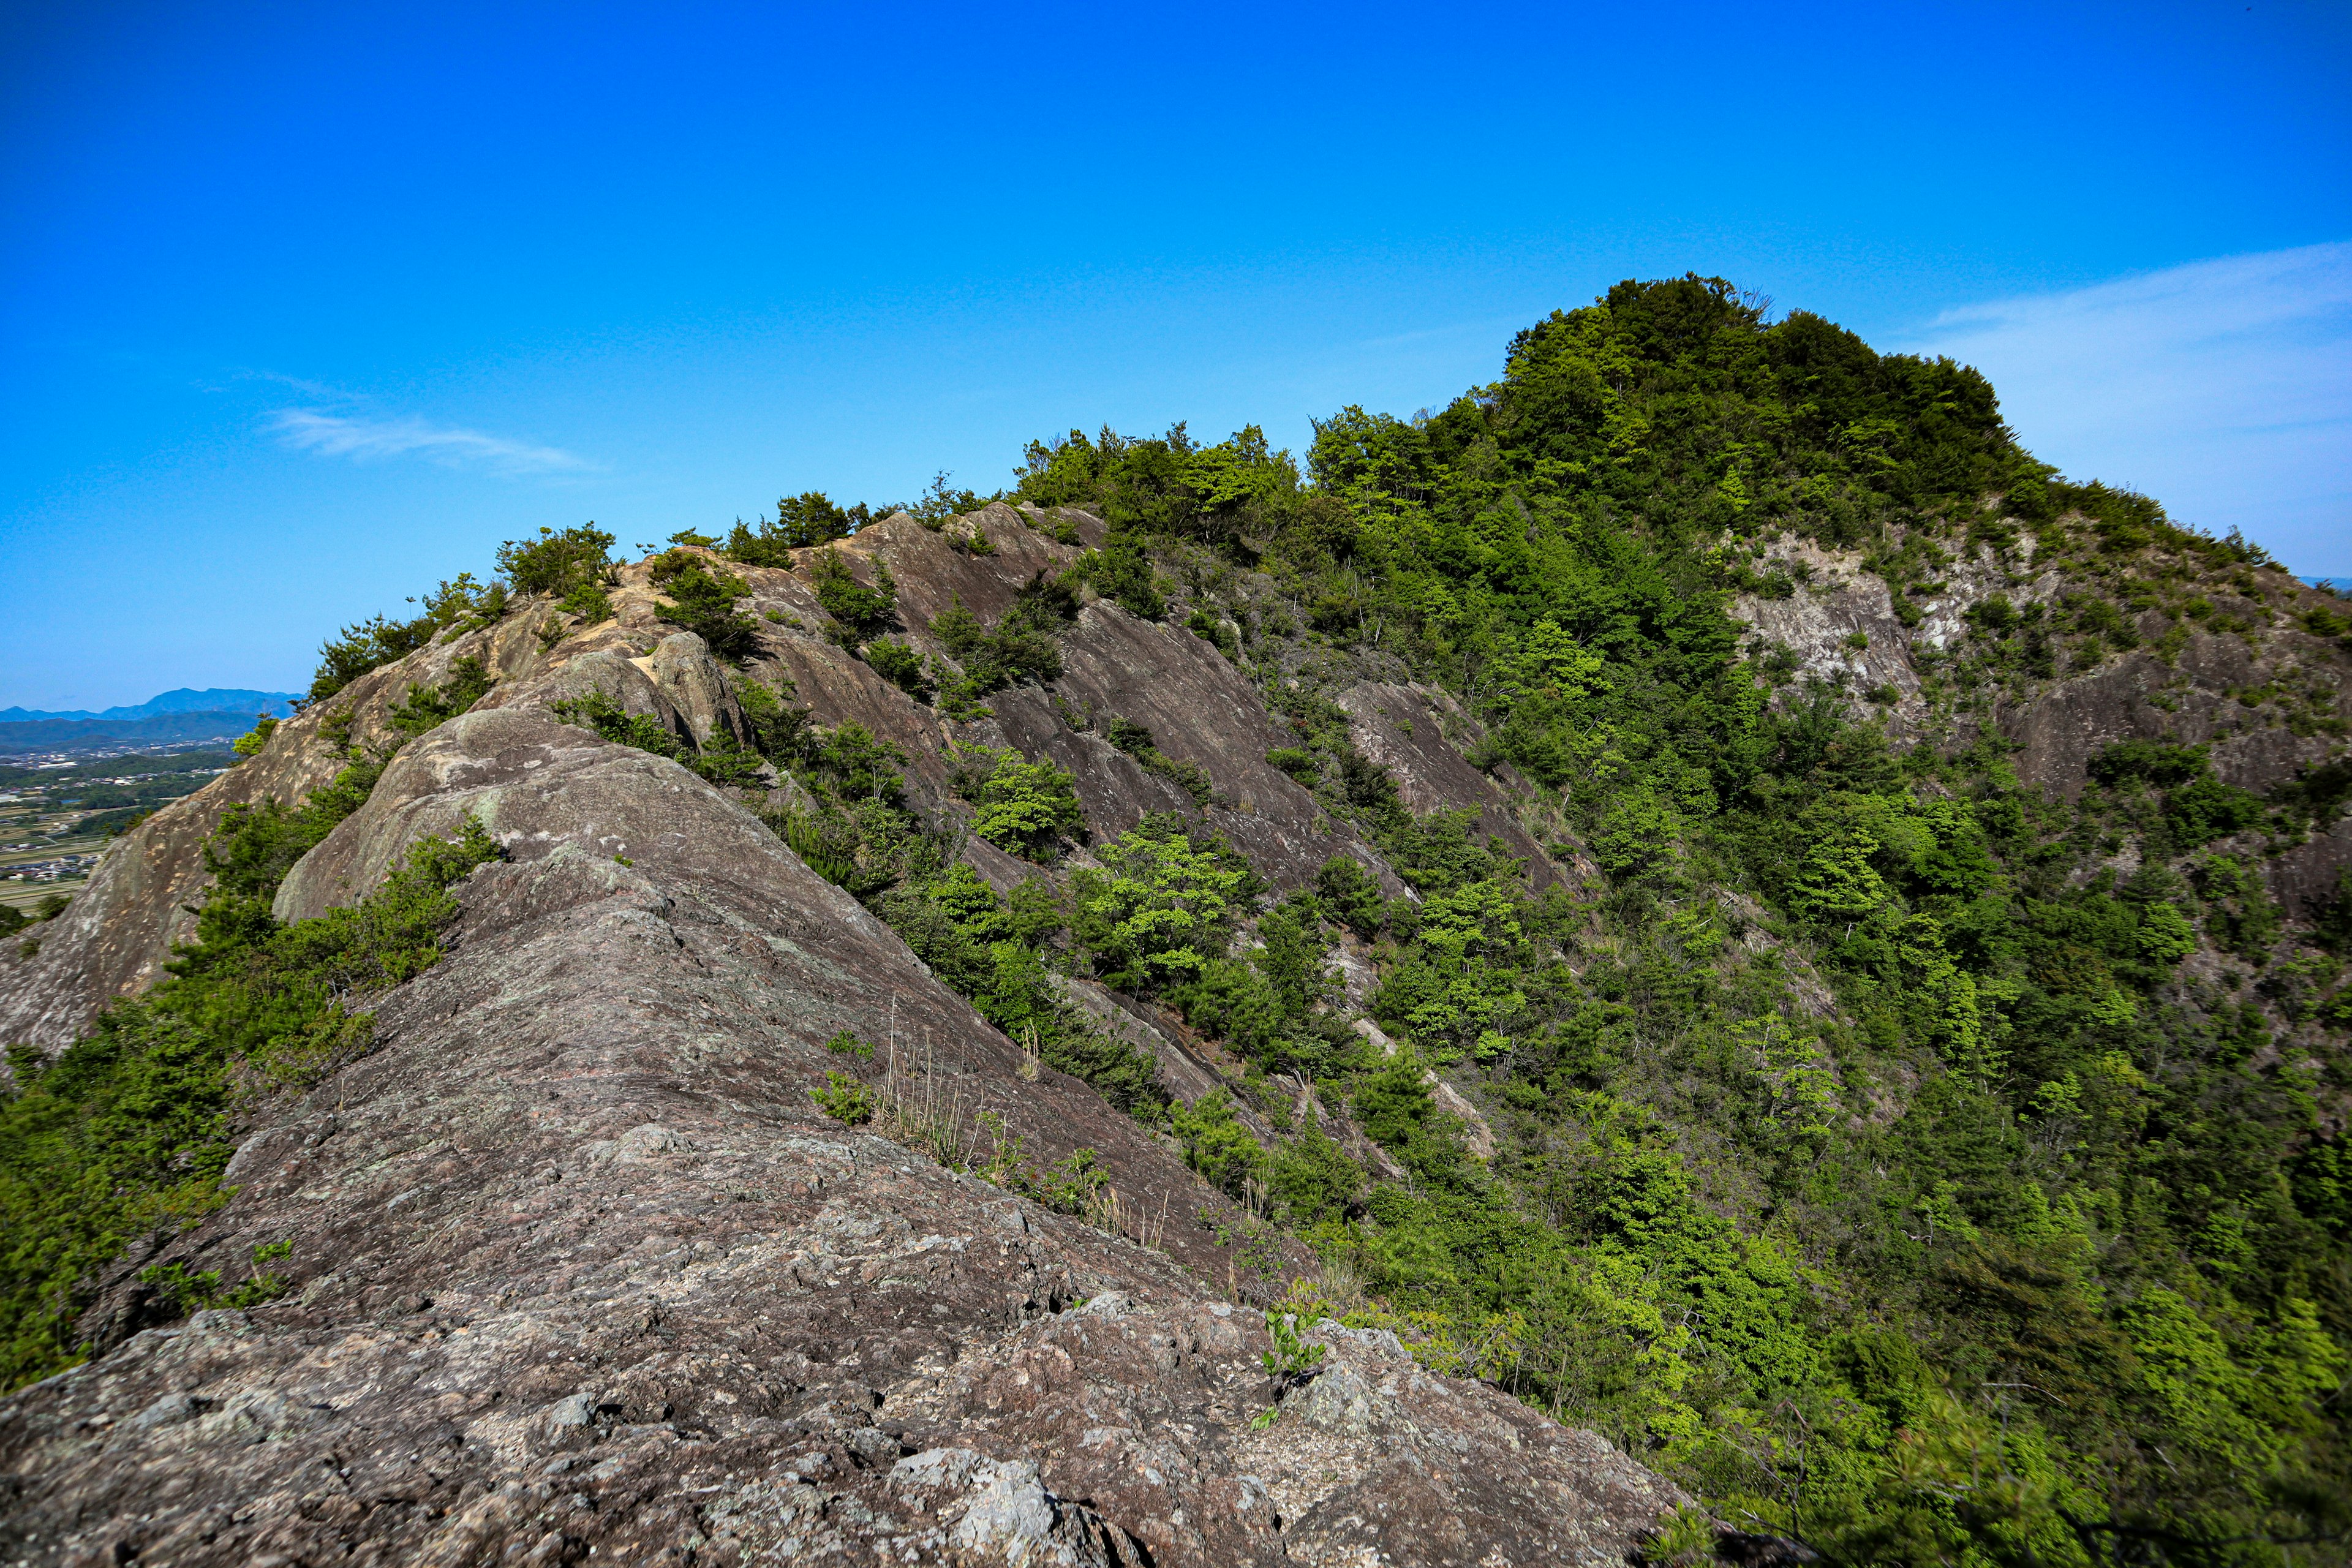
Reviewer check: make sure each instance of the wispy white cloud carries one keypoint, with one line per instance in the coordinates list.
(362, 437)
(2224, 388)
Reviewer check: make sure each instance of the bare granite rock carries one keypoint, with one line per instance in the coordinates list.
(584, 1275)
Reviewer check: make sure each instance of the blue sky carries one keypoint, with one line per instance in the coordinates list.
(304, 308)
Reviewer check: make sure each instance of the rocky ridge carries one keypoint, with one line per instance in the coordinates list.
(581, 1270)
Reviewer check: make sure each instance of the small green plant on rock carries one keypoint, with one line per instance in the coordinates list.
(1291, 1359)
(847, 1044)
(250, 745)
(845, 1100)
(180, 1292)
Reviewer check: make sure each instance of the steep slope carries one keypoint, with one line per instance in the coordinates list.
(1700, 887)
(582, 1267)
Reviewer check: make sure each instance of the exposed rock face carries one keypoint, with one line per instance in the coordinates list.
(2190, 698)
(583, 1269)
(117, 934)
(1404, 729)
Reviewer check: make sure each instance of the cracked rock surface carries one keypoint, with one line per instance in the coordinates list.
(585, 1277)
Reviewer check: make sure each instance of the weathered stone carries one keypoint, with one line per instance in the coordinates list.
(581, 1268)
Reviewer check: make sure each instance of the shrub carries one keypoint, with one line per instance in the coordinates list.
(429, 707)
(857, 766)
(1297, 762)
(703, 602)
(861, 611)
(370, 644)
(594, 710)
(987, 948)
(2205, 809)
(1161, 907)
(1291, 1359)
(1121, 571)
(589, 602)
(723, 759)
(777, 730)
(128, 1130)
(845, 1100)
(902, 667)
(1023, 808)
(1216, 1144)
(847, 1044)
(801, 521)
(1136, 740)
(253, 743)
(2157, 762)
(1352, 894)
(556, 563)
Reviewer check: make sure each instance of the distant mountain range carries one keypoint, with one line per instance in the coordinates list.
(184, 701)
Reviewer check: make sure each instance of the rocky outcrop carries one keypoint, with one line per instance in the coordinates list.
(118, 932)
(585, 1274)
(1410, 730)
(1838, 622)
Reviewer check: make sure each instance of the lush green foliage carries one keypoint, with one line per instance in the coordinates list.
(801, 521)
(425, 706)
(903, 668)
(1940, 1220)
(995, 949)
(1161, 908)
(703, 601)
(556, 564)
(1020, 648)
(722, 759)
(1023, 807)
(126, 1133)
(861, 611)
(460, 605)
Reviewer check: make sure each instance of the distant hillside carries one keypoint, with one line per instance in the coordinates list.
(184, 701)
(69, 735)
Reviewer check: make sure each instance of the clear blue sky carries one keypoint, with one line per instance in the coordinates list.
(302, 308)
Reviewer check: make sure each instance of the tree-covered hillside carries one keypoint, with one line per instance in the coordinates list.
(2024, 1241)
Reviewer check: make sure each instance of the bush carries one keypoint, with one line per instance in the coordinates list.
(857, 766)
(2205, 809)
(1136, 740)
(1121, 571)
(845, 1100)
(370, 644)
(703, 602)
(1020, 648)
(253, 743)
(589, 602)
(594, 710)
(1023, 808)
(127, 1132)
(556, 563)
(2156, 761)
(861, 611)
(902, 667)
(1300, 764)
(800, 522)
(429, 707)
(1216, 1144)
(988, 948)
(1352, 894)
(1161, 908)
